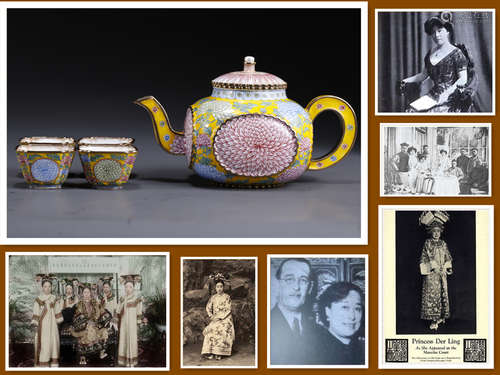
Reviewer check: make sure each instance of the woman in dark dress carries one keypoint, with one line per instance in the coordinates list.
(341, 310)
(446, 65)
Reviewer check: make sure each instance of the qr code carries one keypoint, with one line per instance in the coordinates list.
(474, 350)
(396, 350)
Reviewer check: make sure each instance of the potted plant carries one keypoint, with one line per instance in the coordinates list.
(157, 310)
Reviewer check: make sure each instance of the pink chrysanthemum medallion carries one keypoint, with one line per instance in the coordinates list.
(255, 145)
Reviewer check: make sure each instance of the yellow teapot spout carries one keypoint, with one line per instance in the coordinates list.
(169, 139)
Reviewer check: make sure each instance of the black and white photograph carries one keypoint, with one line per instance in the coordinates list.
(435, 62)
(87, 311)
(219, 312)
(437, 280)
(317, 311)
(445, 276)
(435, 159)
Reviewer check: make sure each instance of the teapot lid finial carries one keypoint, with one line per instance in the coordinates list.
(249, 79)
(249, 65)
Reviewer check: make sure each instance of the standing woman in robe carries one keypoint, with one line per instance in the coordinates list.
(46, 315)
(219, 333)
(435, 266)
(129, 317)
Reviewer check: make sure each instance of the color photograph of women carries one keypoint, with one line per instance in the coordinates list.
(87, 310)
(317, 311)
(435, 159)
(433, 62)
(219, 312)
(435, 272)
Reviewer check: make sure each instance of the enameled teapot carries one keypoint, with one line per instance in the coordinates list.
(248, 133)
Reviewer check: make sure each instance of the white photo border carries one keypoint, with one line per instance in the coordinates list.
(181, 342)
(166, 254)
(493, 65)
(362, 240)
(384, 125)
(268, 312)
(382, 364)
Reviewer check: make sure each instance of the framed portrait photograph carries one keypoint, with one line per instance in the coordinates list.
(317, 311)
(435, 62)
(435, 160)
(436, 287)
(87, 311)
(219, 312)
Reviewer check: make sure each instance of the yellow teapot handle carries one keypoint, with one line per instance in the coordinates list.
(349, 126)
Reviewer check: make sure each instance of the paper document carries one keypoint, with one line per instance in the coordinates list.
(423, 103)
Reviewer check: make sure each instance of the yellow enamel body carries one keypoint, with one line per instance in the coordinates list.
(206, 116)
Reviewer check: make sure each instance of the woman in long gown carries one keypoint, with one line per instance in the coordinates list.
(129, 317)
(68, 307)
(219, 333)
(435, 266)
(46, 315)
(109, 304)
(445, 64)
(91, 338)
(412, 168)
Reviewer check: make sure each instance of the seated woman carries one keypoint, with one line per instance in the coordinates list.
(91, 338)
(219, 333)
(445, 64)
(423, 173)
(341, 310)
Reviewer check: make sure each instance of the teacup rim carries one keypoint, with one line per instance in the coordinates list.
(105, 140)
(113, 148)
(45, 140)
(46, 147)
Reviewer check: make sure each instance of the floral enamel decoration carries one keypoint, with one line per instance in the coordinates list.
(45, 161)
(107, 165)
(255, 146)
(248, 133)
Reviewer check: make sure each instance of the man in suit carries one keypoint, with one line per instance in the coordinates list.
(463, 160)
(294, 334)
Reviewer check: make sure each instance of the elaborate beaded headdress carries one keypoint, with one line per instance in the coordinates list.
(434, 219)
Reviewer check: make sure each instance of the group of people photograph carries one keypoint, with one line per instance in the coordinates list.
(84, 320)
(443, 160)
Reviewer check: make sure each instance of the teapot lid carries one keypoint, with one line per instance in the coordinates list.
(249, 79)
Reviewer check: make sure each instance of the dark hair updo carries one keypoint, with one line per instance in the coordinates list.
(334, 293)
(220, 281)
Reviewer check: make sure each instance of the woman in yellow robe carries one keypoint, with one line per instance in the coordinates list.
(46, 315)
(129, 317)
(91, 338)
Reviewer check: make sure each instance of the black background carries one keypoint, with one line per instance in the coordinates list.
(460, 236)
(76, 72)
